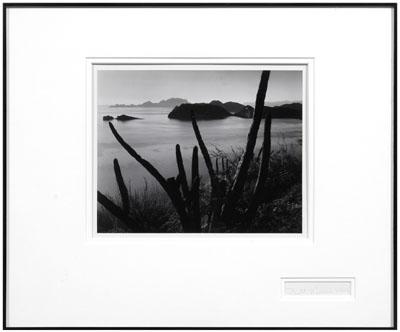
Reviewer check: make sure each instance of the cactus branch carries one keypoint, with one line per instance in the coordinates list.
(179, 204)
(115, 210)
(203, 149)
(122, 188)
(244, 164)
(263, 170)
(195, 190)
(181, 169)
(149, 167)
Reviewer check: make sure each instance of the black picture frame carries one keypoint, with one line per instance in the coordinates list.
(392, 6)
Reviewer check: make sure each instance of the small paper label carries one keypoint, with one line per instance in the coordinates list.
(312, 287)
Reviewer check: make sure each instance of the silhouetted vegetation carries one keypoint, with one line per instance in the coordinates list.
(279, 212)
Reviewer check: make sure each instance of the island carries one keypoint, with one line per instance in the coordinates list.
(202, 111)
(286, 111)
(218, 110)
(124, 117)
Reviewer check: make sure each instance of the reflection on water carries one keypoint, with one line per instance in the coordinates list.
(155, 136)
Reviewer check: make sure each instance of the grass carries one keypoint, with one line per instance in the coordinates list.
(279, 212)
(151, 208)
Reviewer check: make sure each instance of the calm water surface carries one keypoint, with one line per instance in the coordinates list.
(155, 136)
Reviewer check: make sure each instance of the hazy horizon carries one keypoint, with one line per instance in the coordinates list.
(251, 103)
(139, 86)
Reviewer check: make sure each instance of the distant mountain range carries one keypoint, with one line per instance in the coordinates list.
(274, 103)
(232, 106)
(218, 110)
(171, 102)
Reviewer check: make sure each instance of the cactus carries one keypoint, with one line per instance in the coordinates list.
(177, 188)
(223, 199)
(236, 190)
(263, 170)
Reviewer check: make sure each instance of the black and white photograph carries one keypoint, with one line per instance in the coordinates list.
(199, 151)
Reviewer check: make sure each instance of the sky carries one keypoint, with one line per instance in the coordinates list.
(138, 86)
